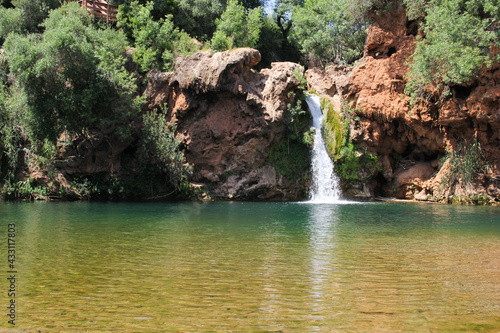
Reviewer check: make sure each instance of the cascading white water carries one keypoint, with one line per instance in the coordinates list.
(325, 186)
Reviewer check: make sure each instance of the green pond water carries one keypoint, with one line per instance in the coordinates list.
(252, 267)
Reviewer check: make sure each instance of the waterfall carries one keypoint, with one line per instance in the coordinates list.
(325, 185)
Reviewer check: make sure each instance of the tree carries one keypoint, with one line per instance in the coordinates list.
(250, 4)
(70, 75)
(197, 17)
(25, 16)
(325, 29)
(456, 46)
(415, 9)
(242, 27)
(156, 42)
(160, 7)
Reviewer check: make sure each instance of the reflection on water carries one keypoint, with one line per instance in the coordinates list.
(193, 267)
(322, 241)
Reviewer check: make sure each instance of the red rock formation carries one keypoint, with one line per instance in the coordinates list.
(228, 116)
(409, 140)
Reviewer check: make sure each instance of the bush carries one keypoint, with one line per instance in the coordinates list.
(71, 75)
(25, 16)
(354, 162)
(466, 163)
(290, 158)
(160, 153)
(221, 42)
(157, 43)
(456, 46)
(242, 27)
(329, 31)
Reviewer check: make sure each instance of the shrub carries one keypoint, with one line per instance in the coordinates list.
(456, 46)
(238, 25)
(290, 158)
(71, 75)
(160, 153)
(466, 163)
(221, 42)
(354, 162)
(157, 43)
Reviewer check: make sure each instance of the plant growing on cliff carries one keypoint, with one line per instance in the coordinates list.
(333, 129)
(465, 164)
(160, 153)
(456, 46)
(354, 161)
(290, 158)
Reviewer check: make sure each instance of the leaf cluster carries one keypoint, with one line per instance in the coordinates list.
(159, 151)
(466, 163)
(25, 16)
(327, 30)
(237, 27)
(456, 46)
(71, 74)
(157, 42)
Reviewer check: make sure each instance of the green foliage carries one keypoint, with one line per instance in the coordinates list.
(415, 9)
(101, 186)
(11, 20)
(26, 16)
(221, 42)
(157, 42)
(273, 45)
(25, 189)
(290, 158)
(10, 132)
(333, 129)
(466, 163)
(458, 37)
(40, 156)
(160, 152)
(197, 17)
(353, 161)
(324, 29)
(298, 73)
(243, 27)
(471, 199)
(283, 11)
(298, 120)
(70, 75)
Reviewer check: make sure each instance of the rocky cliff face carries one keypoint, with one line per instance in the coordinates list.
(228, 117)
(231, 119)
(409, 140)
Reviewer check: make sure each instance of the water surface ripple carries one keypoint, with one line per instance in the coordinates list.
(254, 267)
